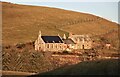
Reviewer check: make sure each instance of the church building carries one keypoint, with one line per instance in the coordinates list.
(49, 43)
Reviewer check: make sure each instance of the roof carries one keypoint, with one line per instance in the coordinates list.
(68, 41)
(81, 37)
(51, 39)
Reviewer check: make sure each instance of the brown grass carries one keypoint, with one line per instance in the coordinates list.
(15, 73)
(21, 23)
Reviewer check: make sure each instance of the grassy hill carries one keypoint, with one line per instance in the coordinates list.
(21, 23)
(101, 67)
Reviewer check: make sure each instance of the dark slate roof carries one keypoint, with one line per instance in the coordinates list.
(68, 41)
(51, 39)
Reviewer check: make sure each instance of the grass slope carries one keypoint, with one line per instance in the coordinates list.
(21, 23)
(101, 67)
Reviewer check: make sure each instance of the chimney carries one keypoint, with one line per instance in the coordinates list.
(58, 35)
(64, 36)
(39, 34)
(78, 40)
(83, 40)
(70, 34)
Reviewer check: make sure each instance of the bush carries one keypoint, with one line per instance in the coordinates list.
(65, 52)
(20, 45)
(8, 47)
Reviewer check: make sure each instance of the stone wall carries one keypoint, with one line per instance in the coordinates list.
(53, 47)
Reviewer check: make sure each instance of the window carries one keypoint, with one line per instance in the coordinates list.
(39, 48)
(51, 45)
(82, 46)
(59, 45)
(55, 45)
(47, 45)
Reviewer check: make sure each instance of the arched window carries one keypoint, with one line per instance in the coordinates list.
(55, 45)
(39, 48)
(82, 46)
(47, 45)
(60, 46)
(51, 45)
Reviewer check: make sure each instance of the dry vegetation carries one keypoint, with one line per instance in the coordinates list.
(23, 57)
(15, 73)
(21, 23)
(25, 60)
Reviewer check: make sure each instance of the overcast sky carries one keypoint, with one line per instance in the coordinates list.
(106, 9)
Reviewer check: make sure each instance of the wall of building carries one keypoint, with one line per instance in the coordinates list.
(40, 45)
(84, 43)
(53, 47)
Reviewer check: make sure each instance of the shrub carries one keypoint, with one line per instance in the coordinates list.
(8, 47)
(20, 45)
(65, 52)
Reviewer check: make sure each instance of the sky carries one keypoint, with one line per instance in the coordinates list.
(106, 9)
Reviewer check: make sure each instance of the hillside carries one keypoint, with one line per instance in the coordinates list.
(101, 67)
(21, 23)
